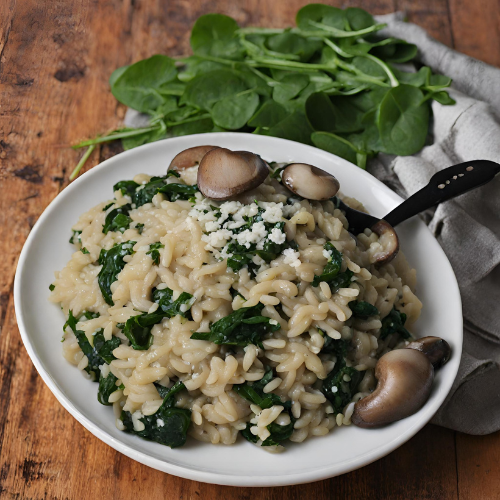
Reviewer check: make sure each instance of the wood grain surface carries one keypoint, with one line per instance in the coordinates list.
(55, 60)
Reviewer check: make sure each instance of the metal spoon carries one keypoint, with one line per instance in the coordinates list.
(444, 185)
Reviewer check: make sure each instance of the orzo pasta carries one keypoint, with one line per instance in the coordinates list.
(261, 315)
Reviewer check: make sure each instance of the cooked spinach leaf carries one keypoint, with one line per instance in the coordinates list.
(253, 392)
(139, 227)
(168, 426)
(341, 385)
(84, 251)
(394, 323)
(362, 310)
(332, 268)
(339, 347)
(242, 327)
(342, 280)
(126, 187)
(117, 219)
(154, 251)
(75, 238)
(107, 385)
(138, 328)
(112, 263)
(52, 287)
(99, 353)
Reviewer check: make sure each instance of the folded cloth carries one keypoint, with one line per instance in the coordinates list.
(467, 227)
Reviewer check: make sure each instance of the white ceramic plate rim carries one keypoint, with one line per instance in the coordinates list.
(222, 478)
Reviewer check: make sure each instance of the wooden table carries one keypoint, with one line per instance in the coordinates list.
(55, 60)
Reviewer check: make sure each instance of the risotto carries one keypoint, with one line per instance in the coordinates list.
(260, 315)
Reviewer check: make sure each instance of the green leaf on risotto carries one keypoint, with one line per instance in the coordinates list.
(138, 328)
(332, 267)
(112, 263)
(101, 352)
(167, 426)
(117, 219)
(242, 327)
(394, 323)
(341, 385)
(362, 310)
(107, 385)
(154, 251)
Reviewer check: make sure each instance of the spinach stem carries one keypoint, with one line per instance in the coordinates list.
(114, 136)
(82, 162)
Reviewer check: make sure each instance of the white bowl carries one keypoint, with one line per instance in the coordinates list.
(345, 448)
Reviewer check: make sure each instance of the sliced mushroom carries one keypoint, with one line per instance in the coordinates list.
(436, 349)
(189, 157)
(389, 241)
(309, 182)
(404, 383)
(224, 173)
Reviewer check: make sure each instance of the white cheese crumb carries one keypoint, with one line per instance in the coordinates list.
(160, 422)
(273, 322)
(327, 254)
(291, 257)
(273, 213)
(277, 236)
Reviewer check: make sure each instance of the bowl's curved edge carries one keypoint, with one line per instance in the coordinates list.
(197, 475)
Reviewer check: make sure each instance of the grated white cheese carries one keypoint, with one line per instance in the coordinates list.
(160, 422)
(291, 257)
(277, 236)
(327, 254)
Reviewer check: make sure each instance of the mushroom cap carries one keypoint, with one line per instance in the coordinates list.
(389, 241)
(223, 173)
(189, 157)
(404, 383)
(309, 182)
(437, 350)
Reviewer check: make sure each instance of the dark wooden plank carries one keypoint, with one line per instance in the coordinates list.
(478, 466)
(431, 14)
(476, 28)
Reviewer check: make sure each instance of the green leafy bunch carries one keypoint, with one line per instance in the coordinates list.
(332, 81)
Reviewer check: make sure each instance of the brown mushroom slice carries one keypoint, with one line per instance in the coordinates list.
(404, 383)
(189, 158)
(436, 349)
(223, 173)
(309, 182)
(389, 241)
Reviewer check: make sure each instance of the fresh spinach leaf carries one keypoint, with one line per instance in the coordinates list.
(403, 120)
(112, 263)
(138, 85)
(215, 35)
(234, 111)
(240, 328)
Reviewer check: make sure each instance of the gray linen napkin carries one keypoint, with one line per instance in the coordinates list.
(468, 227)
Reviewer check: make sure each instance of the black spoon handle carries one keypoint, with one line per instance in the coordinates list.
(446, 184)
